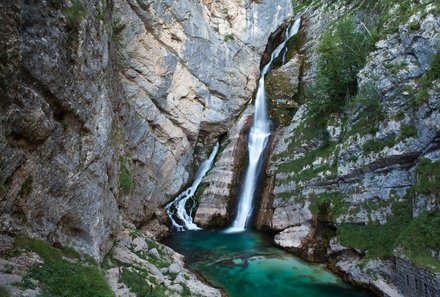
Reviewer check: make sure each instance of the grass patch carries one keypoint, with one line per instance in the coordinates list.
(297, 165)
(407, 131)
(59, 277)
(62, 278)
(379, 240)
(427, 80)
(428, 178)
(4, 292)
(41, 247)
(75, 14)
(334, 202)
(229, 37)
(27, 186)
(375, 146)
(125, 179)
(422, 236)
(138, 284)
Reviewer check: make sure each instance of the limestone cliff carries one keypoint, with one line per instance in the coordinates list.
(362, 173)
(105, 106)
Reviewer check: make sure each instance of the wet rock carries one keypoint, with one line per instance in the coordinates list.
(293, 237)
(221, 182)
(282, 83)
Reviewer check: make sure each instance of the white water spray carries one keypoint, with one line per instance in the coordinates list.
(258, 138)
(177, 208)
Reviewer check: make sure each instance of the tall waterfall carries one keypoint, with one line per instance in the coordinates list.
(258, 138)
(176, 210)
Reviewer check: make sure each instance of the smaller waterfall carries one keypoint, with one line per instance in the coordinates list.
(176, 210)
(258, 138)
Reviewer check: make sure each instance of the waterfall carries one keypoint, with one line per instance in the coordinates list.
(176, 210)
(258, 138)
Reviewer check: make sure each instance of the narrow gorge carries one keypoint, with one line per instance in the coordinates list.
(220, 148)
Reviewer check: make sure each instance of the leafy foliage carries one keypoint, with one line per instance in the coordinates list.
(342, 52)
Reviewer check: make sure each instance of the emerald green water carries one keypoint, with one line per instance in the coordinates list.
(247, 264)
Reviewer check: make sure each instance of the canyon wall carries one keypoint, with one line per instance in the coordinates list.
(365, 175)
(107, 106)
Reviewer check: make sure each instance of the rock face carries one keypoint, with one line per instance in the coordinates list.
(220, 186)
(189, 68)
(103, 104)
(357, 175)
(156, 265)
(58, 95)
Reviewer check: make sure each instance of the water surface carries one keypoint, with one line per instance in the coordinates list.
(248, 265)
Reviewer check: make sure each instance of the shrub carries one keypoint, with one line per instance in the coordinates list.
(367, 104)
(75, 13)
(407, 131)
(342, 53)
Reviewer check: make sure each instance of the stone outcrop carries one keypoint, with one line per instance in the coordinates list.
(105, 106)
(354, 175)
(220, 186)
(160, 268)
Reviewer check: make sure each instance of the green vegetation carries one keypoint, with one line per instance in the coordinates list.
(334, 202)
(367, 105)
(4, 292)
(229, 37)
(297, 165)
(27, 186)
(427, 80)
(428, 178)
(59, 277)
(407, 131)
(394, 68)
(117, 27)
(422, 236)
(200, 190)
(416, 236)
(343, 52)
(136, 280)
(75, 13)
(375, 146)
(64, 123)
(378, 239)
(125, 179)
